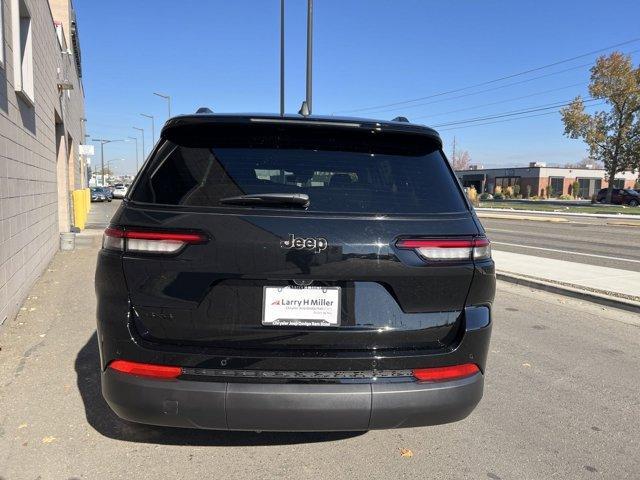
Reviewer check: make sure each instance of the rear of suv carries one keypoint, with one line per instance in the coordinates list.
(294, 274)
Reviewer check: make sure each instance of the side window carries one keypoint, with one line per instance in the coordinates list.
(1, 33)
(22, 31)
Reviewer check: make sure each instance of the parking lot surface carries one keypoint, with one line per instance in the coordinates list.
(560, 401)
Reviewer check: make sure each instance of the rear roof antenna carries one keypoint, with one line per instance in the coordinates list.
(304, 109)
(204, 110)
(401, 119)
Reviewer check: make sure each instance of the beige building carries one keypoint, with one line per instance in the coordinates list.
(543, 181)
(41, 128)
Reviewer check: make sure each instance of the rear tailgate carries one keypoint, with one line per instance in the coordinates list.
(367, 190)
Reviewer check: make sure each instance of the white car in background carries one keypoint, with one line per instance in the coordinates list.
(119, 190)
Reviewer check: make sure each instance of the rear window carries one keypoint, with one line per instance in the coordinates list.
(342, 170)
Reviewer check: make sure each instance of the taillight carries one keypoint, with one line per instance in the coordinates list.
(448, 250)
(145, 369)
(443, 374)
(149, 241)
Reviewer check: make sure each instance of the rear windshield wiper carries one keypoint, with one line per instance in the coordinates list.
(294, 199)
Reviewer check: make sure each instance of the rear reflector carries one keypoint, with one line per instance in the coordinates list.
(145, 369)
(448, 250)
(149, 241)
(443, 374)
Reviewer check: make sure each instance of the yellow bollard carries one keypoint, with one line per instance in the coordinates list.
(79, 208)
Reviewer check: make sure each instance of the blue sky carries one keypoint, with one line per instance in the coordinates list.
(225, 54)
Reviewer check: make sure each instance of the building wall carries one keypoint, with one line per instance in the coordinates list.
(29, 170)
(538, 178)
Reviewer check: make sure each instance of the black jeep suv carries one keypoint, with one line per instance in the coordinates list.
(296, 274)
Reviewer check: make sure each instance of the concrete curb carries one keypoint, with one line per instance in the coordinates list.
(570, 291)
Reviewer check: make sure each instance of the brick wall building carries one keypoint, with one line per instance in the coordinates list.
(41, 127)
(538, 179)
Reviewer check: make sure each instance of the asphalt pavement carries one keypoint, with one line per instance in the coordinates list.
(561, 401)
(593, 241)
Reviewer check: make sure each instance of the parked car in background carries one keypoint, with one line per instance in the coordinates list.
(107, 192)
(620, 196)
(119, 190)
(98, 195)
(285, 283)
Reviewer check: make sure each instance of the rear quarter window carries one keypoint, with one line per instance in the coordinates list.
(358, 171)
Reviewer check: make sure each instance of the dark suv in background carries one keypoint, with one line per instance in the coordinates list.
(620, 196)
(295, 274)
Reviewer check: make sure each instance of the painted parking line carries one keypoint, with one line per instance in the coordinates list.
(593, 255)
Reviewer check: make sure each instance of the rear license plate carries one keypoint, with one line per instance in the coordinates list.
(301, 306)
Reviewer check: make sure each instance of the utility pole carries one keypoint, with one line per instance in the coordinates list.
(136, 140)
(281, 58)
(453, 153)
(309, 53)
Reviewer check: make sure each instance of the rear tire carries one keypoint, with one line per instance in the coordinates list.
(633, 203)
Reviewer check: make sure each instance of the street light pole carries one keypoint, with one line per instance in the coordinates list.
(102, 143)
(141, 130)
(281, 58)
(309, 52)
(136, 140)
(167, 98)
(153, 128)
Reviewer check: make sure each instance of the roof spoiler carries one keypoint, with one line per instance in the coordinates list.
(401, 119)
(204, 110)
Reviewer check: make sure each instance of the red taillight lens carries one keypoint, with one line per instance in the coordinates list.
(443, 374)
(448, 250)
(149, 241)
(145, 369)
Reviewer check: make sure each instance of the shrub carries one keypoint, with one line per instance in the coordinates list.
(575, 189)
(508, 192)
(498, 196)
(534, 197)
(528, 191)
(516, 191)
(472, 193)
(549, 191)
(565, 197)
(486, 196)
(497, 190)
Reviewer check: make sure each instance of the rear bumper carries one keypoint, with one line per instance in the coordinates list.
(289, 407)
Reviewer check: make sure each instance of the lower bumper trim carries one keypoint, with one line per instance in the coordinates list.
(289, 407)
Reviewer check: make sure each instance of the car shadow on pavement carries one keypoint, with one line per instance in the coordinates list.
(107, 423)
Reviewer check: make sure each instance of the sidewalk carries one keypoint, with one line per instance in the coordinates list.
(597, 283)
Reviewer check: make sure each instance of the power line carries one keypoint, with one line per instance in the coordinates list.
(488, 82)
(508, 119)
(511, 113)
(513, 99)
(492, 89)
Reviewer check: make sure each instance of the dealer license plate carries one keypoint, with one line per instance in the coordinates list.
(301, 306)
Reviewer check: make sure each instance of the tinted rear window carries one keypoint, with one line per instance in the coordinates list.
(342, 170)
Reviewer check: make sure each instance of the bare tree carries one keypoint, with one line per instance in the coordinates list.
(461, 160)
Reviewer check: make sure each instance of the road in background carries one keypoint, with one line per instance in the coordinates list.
(560, 402)
(594, 241)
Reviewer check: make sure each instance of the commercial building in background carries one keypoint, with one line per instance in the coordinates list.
(540, 180)
(41, 128)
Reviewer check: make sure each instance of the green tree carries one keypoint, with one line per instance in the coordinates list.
(612, 135)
